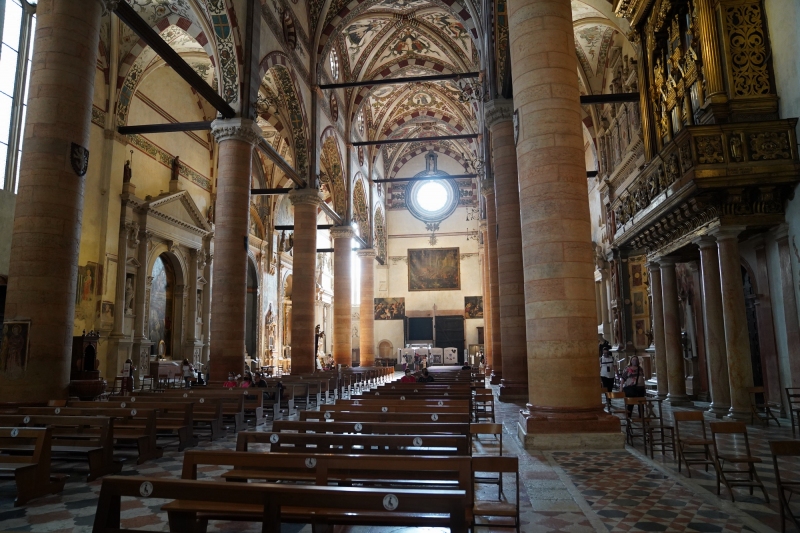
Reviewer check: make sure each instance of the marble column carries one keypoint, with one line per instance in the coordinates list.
(487, 188)
(604, 305)
(662, 374)
(564, 408)
(235, 138)
(673, 349)
(366, 320)
(790, 317)
(119, 345)
(206, 313)
(511, 283)
(305, 202)
(45, 242)
(487, 298)
(714, 328)
(342, 237)
(737, 339)
(141, 342)
(190, 325)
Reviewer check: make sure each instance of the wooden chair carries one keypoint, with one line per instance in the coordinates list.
(659, 433)
(616, 395)
(786, 489)
(483, 405)
(793, 407)
(501, 507)
(485, 428)
(762, 410)
(721, 460)
(690, 448)
(636, 421)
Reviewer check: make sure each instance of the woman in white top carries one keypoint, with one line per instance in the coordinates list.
(188, 372)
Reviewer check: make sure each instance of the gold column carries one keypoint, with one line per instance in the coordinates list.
(711, 48)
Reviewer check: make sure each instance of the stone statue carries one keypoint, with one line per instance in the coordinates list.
(129, 294)
(176, 168)
(270, 315)
(127, 173)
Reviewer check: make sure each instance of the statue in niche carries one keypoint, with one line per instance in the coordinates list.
(127, 173)
(129, 294)
(176, 168)
(270, 318)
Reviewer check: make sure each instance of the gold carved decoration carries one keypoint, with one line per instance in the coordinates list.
(769, 145)
(748, 50)
(709, 149)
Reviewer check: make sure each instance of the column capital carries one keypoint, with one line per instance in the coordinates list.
(342, 232)
(652, 265)
(781, 232)
(307, 196)
(487, 186)
(705, 241)
(483, 225)
(108, 5)
(667, 262)
(367, 252)
(236, 129)
(726, 233)
(497, 111)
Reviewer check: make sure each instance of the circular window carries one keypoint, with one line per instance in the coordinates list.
(432, 200)
(334, 65)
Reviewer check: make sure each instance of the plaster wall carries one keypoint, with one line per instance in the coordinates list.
(7, 202)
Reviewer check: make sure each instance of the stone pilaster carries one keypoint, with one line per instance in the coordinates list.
(235, 138)
(206, 314)
(564, 408)
(737, 340)
(662, 373)
(673, 349)
(487, 299)
(305, 202)
(366, 321)
(342, 237)
(119, 344)
(141, 342)
(511, 283)
(487, 189)
(714, 328)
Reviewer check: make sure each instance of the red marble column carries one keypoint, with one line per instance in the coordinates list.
(673, 350)
(342, 295)
(366, 319)
(564, 408)
(487, 188)
(714, 328)
(511, 283)
(236, 138)
(49, 205)
(305, 202)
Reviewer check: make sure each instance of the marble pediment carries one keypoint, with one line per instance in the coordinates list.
(178, 209)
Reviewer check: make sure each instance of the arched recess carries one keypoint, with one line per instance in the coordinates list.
(333, 170)
(277, 73)
(385, 349)
(164, 316)
(251, 309)
(360, 210)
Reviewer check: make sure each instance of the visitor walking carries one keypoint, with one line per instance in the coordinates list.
(607, 370)
(188, 373)
(633, 381)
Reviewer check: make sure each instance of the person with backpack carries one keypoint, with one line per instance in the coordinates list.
(607, 370)
(633, 381)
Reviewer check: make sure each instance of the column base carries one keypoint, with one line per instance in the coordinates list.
(738, 415)
(717, 411)
(512, 390)
(569, 429)
(496, 378)
(679, 400)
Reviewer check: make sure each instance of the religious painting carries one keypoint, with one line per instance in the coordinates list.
(434, 269)
(389, 308)
(473, 306)
(640, 334)
(161, 294)
(107, 313)
(14, 347)
(639, 303)
(87, 283)
(422, 98)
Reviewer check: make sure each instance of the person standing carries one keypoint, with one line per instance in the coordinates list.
(633, 381)
(188, 373)
(607, 370)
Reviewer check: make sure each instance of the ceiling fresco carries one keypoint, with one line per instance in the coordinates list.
(582, 11)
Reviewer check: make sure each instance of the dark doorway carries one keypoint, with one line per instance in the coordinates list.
(450, 334)
(752, 328)
(251, 311)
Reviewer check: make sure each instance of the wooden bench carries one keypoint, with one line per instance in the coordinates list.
(382, 407)
(233, 403)
(407, 402)
(90, 437)
(131, 425)
(173, 418)
(29, 466)
(356, 443)
(207, 414)
(372, 428)
(272, 504)
(416, 418)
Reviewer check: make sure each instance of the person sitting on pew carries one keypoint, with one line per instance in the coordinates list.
(260, 381)
(246, 382)
(425, 377)
(231, 383)
(466, 367)
(408, 378)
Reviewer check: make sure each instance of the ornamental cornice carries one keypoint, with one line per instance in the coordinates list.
(497, 111)
(341, 232)
(307, 196)
(367, 252)
(236, 129)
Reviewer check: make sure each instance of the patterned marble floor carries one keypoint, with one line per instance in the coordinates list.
(561, 491)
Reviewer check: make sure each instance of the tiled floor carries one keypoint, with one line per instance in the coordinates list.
(562, 491)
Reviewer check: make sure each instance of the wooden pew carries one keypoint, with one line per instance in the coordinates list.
(90, 437)
(30, 471)
(357, 443)
(206, 412)
(403, 401)
(383, 408)
(416, 418)
(233, 403)
(173, 418)
(272, 504)
(372, 428)
(131, 425)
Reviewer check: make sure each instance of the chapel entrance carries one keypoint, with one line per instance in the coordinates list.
(161, 317)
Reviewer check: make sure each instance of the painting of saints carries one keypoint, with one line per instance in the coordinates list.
(473, 307)
(87, 287)
(389, 308)
(434, 269)
(14, 348)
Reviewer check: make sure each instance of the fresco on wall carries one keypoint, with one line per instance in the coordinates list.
(473, 306)
(161, 292)
(89, 284)
(390, 308)
(434, 269)
(14, 347)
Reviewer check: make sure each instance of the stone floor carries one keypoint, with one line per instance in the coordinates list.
(561, 491)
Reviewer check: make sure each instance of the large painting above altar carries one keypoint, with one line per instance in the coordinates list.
(434, 269)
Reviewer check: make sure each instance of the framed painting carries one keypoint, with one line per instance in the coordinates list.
(434, 269)
(14, 347)
(389, 308)
(473, 306)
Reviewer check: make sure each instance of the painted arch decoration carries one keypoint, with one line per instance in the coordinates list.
(360, 212)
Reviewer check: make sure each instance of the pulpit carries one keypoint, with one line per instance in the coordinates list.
(84, 374)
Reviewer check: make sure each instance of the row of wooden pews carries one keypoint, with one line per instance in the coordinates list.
(373, 460)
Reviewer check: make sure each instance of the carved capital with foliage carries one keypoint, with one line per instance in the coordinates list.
(236, 129)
